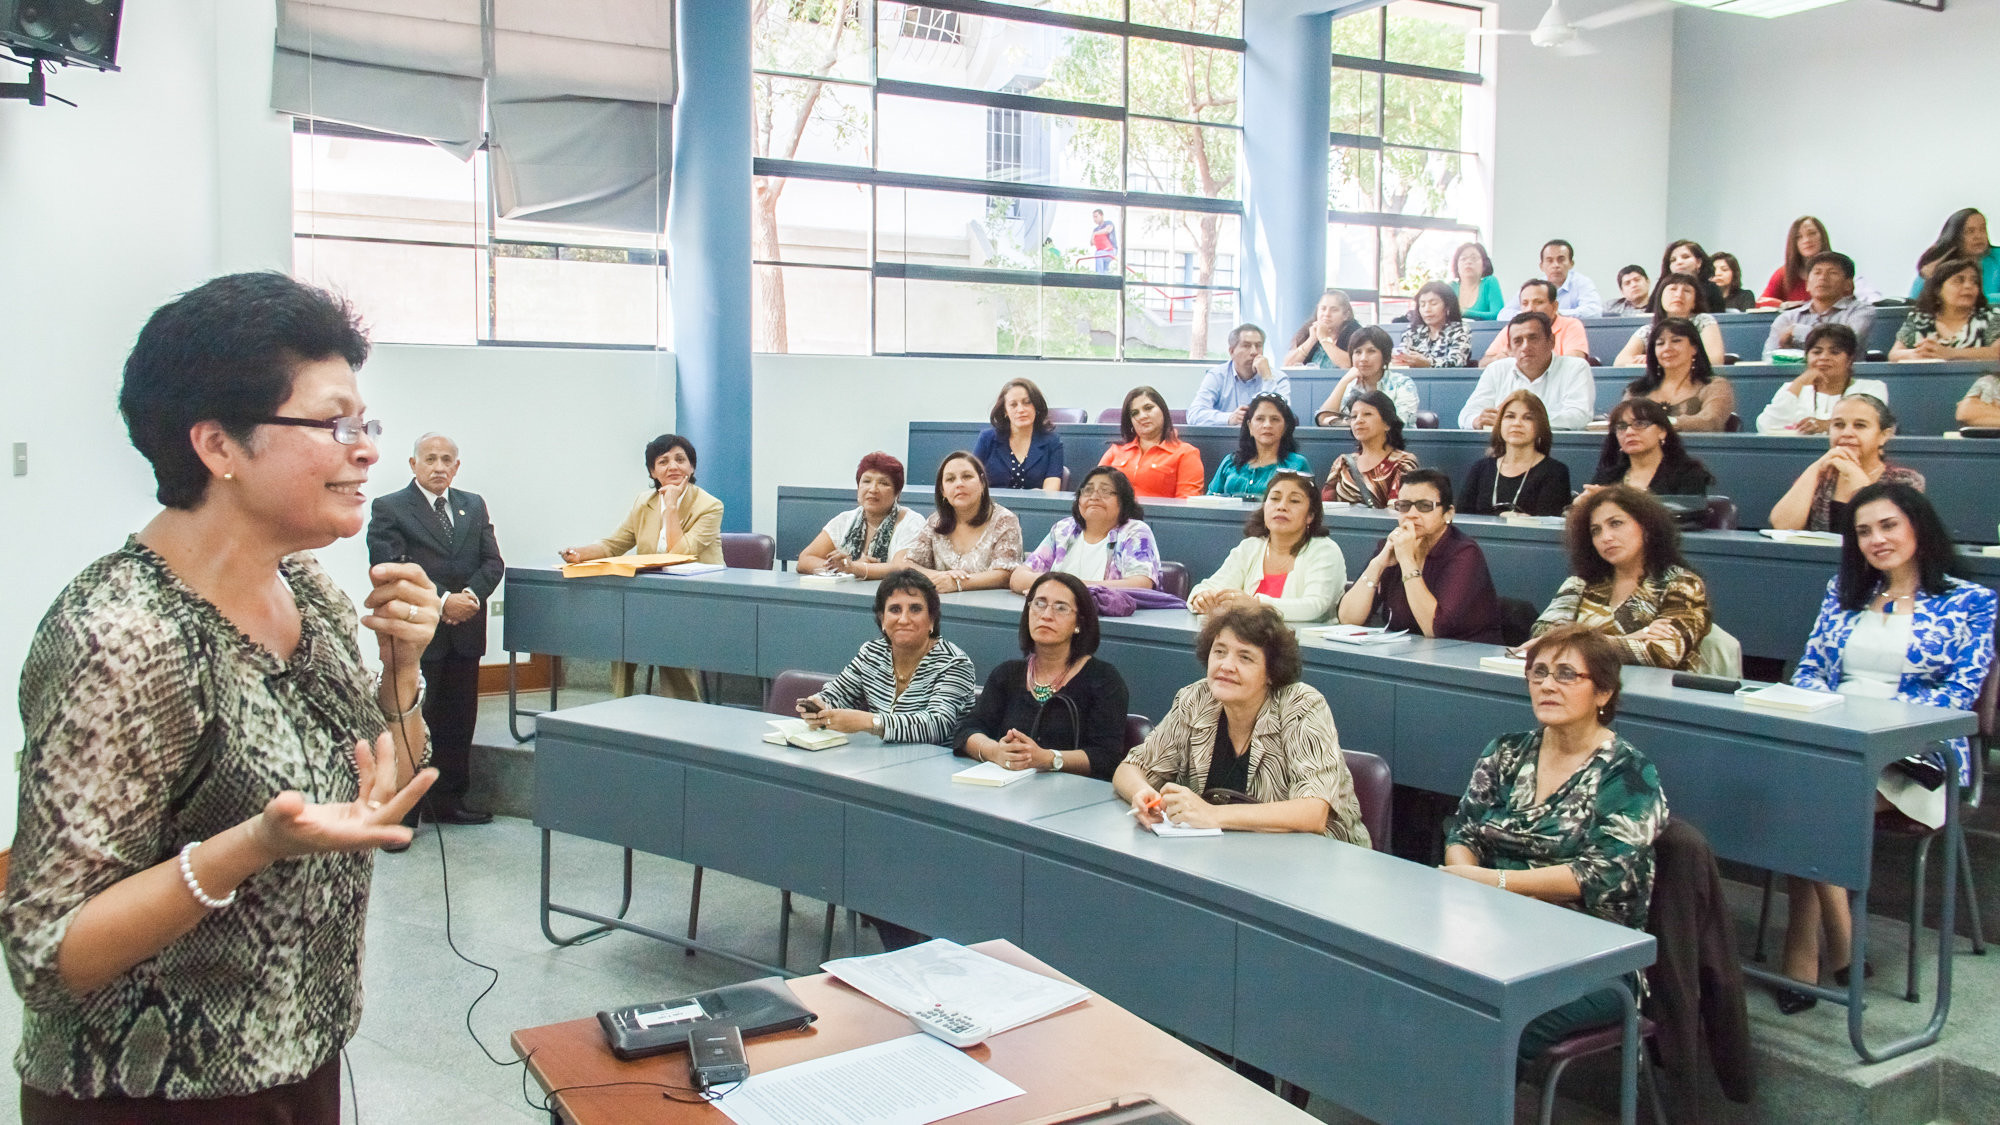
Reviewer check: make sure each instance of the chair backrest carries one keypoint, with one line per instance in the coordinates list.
(1733, 424)
(791, 686)
(1721, 515)
(1373, 792)
(1110, 415)
(1517, 620)
(1426, 420)
(1065, 478)
(1179, 417)
(1731, 359)
(749, 550)
(1068, 414)
(1137, 727)
(1174, 580)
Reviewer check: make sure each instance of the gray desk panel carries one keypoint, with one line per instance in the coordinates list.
(766, 831)
(810, 638)
(693, 731)
(580, 617)
(1157, 939)
(1456, 724)
(572, 779)
(685, 628)
(934, 880)
(1376, 1027)
(1355, 694)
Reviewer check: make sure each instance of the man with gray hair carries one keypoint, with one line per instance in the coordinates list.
(445, 531)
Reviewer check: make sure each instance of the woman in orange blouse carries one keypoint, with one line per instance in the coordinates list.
(1152, 456)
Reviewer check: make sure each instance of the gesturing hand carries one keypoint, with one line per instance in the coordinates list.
(289, 826)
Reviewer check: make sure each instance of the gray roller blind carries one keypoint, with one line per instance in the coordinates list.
(573, 99)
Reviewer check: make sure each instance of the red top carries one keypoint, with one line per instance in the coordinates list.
(1273, 585)
(1774, 289)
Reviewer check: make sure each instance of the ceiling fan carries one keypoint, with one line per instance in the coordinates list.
(1560, 33)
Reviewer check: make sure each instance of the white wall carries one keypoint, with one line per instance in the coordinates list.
(1884, 157)
(1580, 145)
(818, 415)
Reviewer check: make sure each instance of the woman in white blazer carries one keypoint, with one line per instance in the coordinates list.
(1286, 561)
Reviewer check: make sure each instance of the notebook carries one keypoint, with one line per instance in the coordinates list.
(991, 774)
(1789, 698)
(1167, 829)
(1359, 634)
(795, 732)
(623, 565)
(1511, 665)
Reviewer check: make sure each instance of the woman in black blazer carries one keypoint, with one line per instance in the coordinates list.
(1517, 474)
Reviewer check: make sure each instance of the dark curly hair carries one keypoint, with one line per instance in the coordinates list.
(1257, 625)
(660, 446)
(907, 580)
(1663, 536)
(1937, 554)
(1386, 407)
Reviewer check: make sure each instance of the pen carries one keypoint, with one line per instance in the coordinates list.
(1153, 803)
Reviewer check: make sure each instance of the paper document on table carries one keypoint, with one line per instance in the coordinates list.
(987, 990)
(914, 1080)
(1165, 827)
(1828, 538)
(1359, 634)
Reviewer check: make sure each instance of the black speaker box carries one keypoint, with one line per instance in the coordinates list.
(76, 31)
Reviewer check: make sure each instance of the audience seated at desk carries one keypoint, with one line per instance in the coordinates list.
(1728, 278)
(1635, 293)
(1369, 475)
(1427, 577)
(1804, 239)
(1152, 456)
(1104, 540)
(1981, 404)
(1565, 332)
(1952, 319)
(1894, 625)
(1517, 474)
(1965, 237)
(1804, 405)
(1266, 441)
(1473, 283)
(1856, 435)
(1322, 341)
(1572, 293)
(1680, 378)
(1249, 727)
(1370, 350)
(1286, 560)
(1678, 296)
(675, 516)
(1642, 450)
(1829, 300)
(969, 542)
(1629, 580)
(1436, 336)
(1685, 256)
(1060, 710)
(1019, 446)
(863, 540)
(1566, 813)
(1562, 382)
(1228, 388)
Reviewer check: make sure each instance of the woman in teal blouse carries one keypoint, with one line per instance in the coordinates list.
(1473, 270)
(1266, 443)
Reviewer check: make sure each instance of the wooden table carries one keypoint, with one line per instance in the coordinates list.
(1091, 1052)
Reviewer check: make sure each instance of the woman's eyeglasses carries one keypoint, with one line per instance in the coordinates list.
(1424, 506)
(1053, 609)
(1633, 424)
(346, 431)
(1564, 674)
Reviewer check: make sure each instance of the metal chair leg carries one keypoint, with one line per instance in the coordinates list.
(826, 942)
(1919, 873)
(694, 908)
(1972, 898)
(1652, 1082)
(1549, 1082)
(1764, 914)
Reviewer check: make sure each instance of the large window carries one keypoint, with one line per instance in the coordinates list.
(408, 232)
(1406, 181)
(1031, 178)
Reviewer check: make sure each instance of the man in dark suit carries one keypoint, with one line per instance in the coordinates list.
(446, 532)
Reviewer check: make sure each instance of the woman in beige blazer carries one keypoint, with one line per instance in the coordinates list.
(695, 529)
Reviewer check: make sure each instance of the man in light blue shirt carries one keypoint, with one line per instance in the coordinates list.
(1228, 387)
(1576, 295)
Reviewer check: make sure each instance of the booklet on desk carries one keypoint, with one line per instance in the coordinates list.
(1788, 698)
(1511, 665)
(939, 973)
(1167, 829)
(690, 568)
(991, 774)
(795, 732)
(1359, 634)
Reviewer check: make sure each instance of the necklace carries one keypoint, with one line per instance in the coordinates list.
(1519, 483)
(1043, 692)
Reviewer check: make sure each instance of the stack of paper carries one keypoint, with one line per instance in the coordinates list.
(1167, 828)
(1789, 698)
(1359, 634)
(1511, 665)
(1824, 537)
(939, 973)
(907, 1081)
(825, 581)
(992, 774)
(623, 565)
(690, 568)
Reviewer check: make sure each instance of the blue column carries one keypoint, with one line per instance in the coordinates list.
(1286, 109)
(708, 235)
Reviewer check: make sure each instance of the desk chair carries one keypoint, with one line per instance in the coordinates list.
(1596, 1041)
(1137, 729)
(782, 700)
(1733, 424)
(1517, 621)
(1174, 580)
(1425, 420)
(1068, 414)
(1721, 515)
(1374, 792)
(744, 550)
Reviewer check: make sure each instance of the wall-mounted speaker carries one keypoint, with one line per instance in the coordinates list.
(76, 31)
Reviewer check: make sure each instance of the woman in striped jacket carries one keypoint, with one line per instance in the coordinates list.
(907, 685)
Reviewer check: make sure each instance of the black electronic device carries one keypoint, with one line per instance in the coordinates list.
(1127, 1109)
(715, 1056)
(1979, 431)
(756, 1007)
(1700, 682)
(80, 32)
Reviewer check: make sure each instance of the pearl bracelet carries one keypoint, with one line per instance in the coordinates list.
(194, 887)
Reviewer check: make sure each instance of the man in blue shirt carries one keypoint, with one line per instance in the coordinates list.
(1576, 295)
(1228, 387)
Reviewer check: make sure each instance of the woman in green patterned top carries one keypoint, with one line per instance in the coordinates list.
(1628, 579)
(1567, 813)
(207, 765)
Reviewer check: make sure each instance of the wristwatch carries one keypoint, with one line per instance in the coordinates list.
(1055, 762)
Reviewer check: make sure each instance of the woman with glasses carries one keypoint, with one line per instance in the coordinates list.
(1856, 436)
(1060, 709)
(1103, 540)
(1248, 728)
(1266, 444)
(1566, 813)
(969, 543)
(1517, 474)
(1427, 577)
(1369, 475)
(207, 763)
(1286, 560)
(1642, 450)
(672, 516)
(1629, 581)
(1895, 624)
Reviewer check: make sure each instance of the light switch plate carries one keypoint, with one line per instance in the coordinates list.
(20, 458)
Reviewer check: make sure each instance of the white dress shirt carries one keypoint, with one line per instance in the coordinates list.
(1566, 388)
